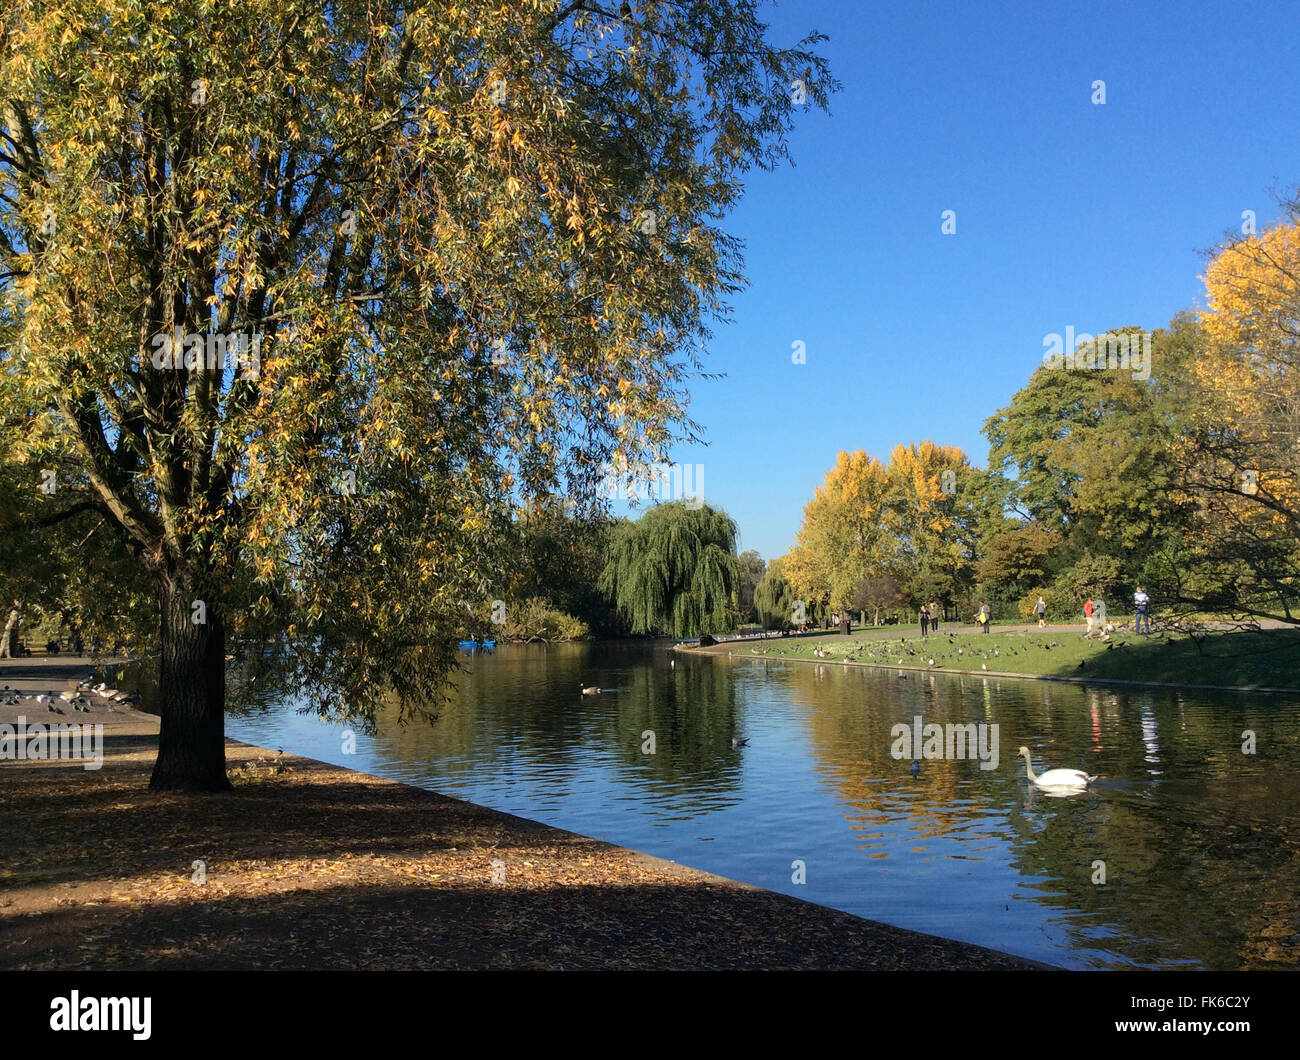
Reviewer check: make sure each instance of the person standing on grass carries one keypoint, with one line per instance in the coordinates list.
(984, 616)
(1142, 607)
(925, 621)
(1040, 609)
(1087, 614)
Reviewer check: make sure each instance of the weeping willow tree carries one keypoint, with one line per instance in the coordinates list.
(674, 569)
(774, 596)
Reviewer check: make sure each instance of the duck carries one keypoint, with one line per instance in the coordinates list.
(736, 742)
(1055, 778)
(592, 691)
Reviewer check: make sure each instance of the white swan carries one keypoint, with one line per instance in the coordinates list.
(1056, 778)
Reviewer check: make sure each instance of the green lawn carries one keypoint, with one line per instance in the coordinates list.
(1268, 658)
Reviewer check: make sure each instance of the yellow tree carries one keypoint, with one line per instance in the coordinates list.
(846, 534)
(933, 519)
(312, 291)
(1241, 443)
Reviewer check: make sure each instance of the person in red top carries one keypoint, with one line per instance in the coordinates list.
(1087, 613)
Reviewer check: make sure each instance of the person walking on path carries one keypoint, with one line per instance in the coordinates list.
(1040, 609)
(1142, 605)
(934, 617)
(1088, 614)
(925, 621)
(984, 616)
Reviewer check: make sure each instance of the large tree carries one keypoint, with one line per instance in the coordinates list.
(774, 597)
(1238, 443)
(848, 533)
(749, 572)
(674, 570)
(911, 520)
(313, 290)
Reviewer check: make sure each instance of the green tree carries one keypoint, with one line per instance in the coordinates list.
(774, 596)
(674, 570)
(312, 291)
(1091, 453)
(559, 557)
(749, 572)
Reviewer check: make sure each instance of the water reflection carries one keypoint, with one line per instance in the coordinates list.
(1199, 841)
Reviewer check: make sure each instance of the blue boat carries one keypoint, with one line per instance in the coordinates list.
(471, 645)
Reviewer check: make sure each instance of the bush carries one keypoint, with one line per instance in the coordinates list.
(537, 619)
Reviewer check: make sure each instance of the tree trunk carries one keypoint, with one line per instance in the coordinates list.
(9, 640)
(192, 694)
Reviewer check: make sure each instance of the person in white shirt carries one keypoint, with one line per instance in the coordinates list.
(1142, 607)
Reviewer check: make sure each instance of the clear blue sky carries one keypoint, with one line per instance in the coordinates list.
(1068, 213)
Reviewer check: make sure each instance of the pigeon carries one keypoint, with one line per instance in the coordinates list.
(916, 769)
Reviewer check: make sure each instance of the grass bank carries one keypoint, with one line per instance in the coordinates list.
(1250, 659)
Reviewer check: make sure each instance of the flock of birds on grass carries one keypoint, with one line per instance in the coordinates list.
(883, 653)
(79, 699)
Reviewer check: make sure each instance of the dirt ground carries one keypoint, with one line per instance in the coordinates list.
(310, 866)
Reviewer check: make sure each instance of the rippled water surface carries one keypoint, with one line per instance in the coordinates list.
(1200, 841)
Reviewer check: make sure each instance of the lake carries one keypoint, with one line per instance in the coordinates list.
(1186, 854)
